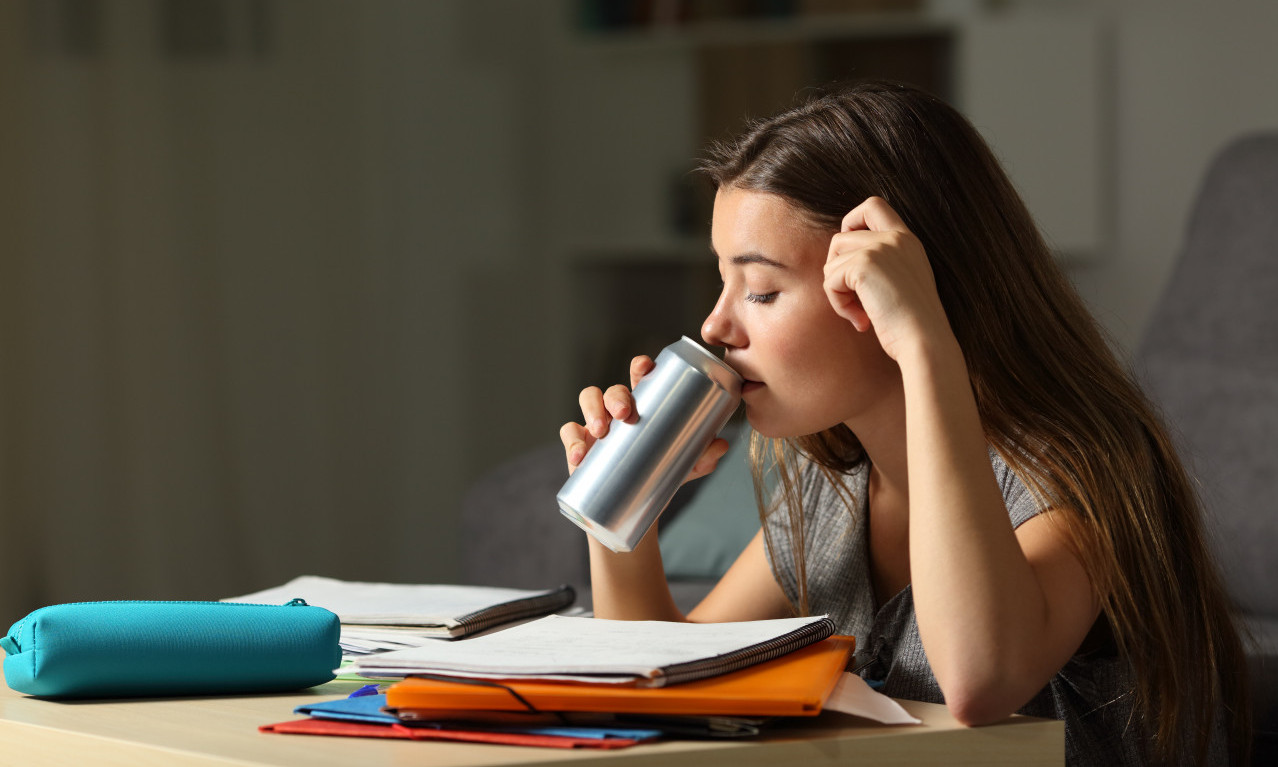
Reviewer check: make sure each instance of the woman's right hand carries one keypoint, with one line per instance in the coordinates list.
(599, 407)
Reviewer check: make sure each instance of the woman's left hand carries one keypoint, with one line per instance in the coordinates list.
(878, 277)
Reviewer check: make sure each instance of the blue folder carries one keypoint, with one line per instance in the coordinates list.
(370, 709)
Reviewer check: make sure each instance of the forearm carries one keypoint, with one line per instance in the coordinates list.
(982, 614)
(631, 586)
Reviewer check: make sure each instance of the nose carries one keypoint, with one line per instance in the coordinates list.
(719, 328)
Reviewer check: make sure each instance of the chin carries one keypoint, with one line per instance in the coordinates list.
(779, 426)
(771, 429)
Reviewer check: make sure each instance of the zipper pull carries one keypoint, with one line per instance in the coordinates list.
(296, 602)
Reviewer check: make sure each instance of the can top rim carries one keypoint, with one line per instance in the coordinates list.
(734, 381)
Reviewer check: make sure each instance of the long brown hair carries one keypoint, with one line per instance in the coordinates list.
(1054, 401)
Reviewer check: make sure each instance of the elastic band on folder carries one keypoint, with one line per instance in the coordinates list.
(489, 683)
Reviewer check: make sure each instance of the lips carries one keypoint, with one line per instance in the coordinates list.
(749, 383)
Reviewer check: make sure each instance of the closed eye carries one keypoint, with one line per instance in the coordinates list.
(761, 298)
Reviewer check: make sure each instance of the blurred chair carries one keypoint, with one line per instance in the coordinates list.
(1210, 360)
(513, 534)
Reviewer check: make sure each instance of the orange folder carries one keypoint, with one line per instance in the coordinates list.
(796, 684)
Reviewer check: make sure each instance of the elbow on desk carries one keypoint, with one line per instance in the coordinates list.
(974, 707)
(973, 713)
(979, 694)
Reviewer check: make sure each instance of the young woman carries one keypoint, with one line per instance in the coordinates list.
(968, 481)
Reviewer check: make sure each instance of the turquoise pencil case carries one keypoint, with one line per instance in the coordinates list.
(130, 649)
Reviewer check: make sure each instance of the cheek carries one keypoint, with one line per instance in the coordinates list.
(811, 347)
(835, 356)
(793, 339)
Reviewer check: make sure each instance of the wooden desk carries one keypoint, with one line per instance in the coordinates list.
(223, 731)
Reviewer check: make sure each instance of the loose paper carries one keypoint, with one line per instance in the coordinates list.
(853, 696)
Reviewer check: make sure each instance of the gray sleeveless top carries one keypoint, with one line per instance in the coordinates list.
(1092, 693)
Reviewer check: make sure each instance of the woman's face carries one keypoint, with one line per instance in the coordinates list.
(806, 368)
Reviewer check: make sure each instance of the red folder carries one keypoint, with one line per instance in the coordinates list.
(363, 730)
(796, 684)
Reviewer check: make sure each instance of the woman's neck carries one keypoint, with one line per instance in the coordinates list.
(882, 437)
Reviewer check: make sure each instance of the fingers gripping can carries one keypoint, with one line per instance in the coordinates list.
(629, 476)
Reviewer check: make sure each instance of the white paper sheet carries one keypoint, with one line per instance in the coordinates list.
(853, 696)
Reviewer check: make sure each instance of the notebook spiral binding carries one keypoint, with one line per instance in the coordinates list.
(511, 611)
(749, 656)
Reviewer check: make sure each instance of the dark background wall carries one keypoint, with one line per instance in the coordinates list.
(280, 278)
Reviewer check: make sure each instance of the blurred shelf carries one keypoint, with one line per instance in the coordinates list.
(688, 250)
(763, 31)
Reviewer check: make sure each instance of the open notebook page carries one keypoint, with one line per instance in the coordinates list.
(657, 651)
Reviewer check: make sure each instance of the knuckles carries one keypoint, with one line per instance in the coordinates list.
(617, 395)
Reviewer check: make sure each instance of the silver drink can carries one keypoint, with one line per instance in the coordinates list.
(629, 476)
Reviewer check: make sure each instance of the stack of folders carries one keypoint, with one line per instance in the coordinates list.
(683, 679)
(367, 716)
(587, 682)
(380, 617)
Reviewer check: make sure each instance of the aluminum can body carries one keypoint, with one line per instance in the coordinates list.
(629, 476)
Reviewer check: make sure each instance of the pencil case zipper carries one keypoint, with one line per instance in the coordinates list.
(9, 642)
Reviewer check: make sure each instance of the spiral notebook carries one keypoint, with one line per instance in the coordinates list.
(595, 650)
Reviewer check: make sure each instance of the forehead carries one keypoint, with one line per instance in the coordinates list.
(758, 222)
(746, 209)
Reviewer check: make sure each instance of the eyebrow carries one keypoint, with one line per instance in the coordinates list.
(756, 258)
(752, 258)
